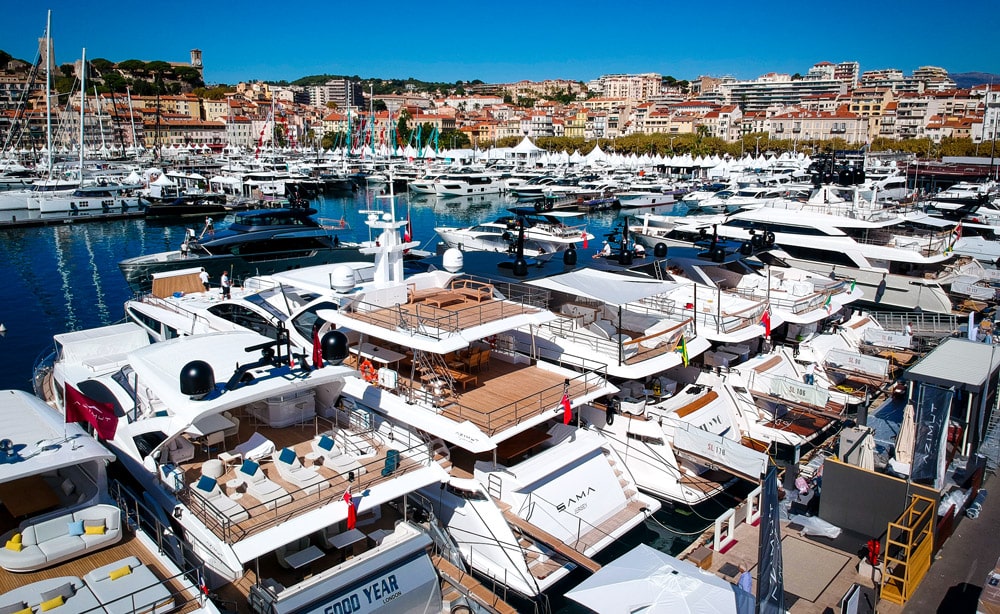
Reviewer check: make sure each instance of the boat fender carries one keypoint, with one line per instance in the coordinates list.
(368, 371)
(610, 415)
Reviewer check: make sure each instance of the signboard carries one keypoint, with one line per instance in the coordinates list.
(886, 338)
(973, 290)
(726, 453)
(852, 361)
(795, 391)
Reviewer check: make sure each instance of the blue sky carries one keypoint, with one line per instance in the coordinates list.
(506, 41)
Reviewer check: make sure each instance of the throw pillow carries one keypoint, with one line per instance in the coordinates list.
(94, 522)
(206, 484)
(287, 456)
(55, 602)
(120, 572)
(14, 608)
(12, 545)
(16, 538)
(76, 528)
(94, 530)
(326, 443)
(25, 611)
(249, 467)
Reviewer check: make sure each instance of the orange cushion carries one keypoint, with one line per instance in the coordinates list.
(94, 530)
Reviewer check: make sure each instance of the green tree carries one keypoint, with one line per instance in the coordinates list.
(137, 67)
(114, 82)
(68, 70)
(102, 66)
(403, 126)
(379, 105)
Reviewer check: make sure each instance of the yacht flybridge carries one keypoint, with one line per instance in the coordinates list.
(289, 492)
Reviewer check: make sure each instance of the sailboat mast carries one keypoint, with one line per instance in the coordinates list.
(100, 120)
(131, 118)
(83, 104)
(48, 92)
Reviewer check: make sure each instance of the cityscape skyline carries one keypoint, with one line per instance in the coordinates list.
(468, 41)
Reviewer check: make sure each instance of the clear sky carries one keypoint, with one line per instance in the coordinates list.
(452, 40)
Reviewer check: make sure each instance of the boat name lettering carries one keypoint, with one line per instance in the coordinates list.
(383, 589)
(346, 605)
(575, 499)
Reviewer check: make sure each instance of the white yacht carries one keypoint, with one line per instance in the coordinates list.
(467, 184)
(898, 261)
(544, 233)
(70, 547)
(98, 197)
(289, 492)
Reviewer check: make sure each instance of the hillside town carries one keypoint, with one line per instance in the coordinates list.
(829, 101)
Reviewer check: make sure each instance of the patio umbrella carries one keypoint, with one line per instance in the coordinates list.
(649, 581)
(903, 457)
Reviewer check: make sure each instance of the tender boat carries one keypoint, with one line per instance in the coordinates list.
(544, 233)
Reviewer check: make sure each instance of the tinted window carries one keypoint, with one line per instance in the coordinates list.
(246, 318)
(305, 320)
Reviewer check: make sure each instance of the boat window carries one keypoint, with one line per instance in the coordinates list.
(819, 255)
(100, 393)
(247, 318)
(147, 442)
(653, 441)
(304, 321)
(141, 318)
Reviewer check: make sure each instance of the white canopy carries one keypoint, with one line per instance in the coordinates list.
(609, 288)
(649, 581)
(526, 147)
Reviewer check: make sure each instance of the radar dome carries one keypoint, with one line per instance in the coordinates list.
(197, 379)
(453, 260)
(342, 279)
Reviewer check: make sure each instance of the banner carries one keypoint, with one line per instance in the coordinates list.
(886, 338)
(929, 454)
(852, 361)
(725, 453)
(101, 416)
(795, 391)
(770, 578)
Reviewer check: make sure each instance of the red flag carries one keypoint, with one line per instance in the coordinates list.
(317, 349)
(567, 410)
(584, 239)
(352, 517)
(81, 408)
(407, 237)
(766, 321)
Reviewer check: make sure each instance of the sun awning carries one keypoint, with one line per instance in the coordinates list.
(609, 288)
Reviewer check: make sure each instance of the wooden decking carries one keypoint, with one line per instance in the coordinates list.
(444, 310)
(298, 438)
(552, 541)
(79, 567)
(471, 587)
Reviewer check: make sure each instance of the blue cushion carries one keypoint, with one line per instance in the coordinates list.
(249, 467)
(326, 442)
(287, 456)
(76, 528)
(206, 483)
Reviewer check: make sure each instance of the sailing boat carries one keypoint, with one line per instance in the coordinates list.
(19, 199)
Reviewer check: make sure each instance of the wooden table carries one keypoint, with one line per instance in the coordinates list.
(27, 496)
(443, 299)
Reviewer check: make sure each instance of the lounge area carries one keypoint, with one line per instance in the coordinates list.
(125, 586)
(41, 543)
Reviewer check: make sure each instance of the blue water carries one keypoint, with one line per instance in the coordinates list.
(65, 277)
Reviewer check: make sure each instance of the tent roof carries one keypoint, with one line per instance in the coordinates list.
(957, 362)
(526, 146)
(610, 288)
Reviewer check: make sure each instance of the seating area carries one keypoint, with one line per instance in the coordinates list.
(37, 544)
(129, 587)
(292, 471)
(473, 290)
(255, 448)
(66, 594)
(270, 494)
(207, 490)
(334, 458)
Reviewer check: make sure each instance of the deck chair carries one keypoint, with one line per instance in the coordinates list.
(324, 446)
(292, 471)
(207, 490)
(391, 462)
(260, 487)
(255, 448)
(211, 440)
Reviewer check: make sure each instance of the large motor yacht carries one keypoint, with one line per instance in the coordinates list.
(545, 233)
(256, 242)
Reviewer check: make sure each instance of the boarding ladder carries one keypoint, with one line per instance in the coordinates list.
(990, 447)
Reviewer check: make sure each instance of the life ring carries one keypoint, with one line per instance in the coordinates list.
(368, 371)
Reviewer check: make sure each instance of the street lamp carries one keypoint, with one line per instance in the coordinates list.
(672, 145)
(757, 148)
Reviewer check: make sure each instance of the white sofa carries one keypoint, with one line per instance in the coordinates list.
(49, 541)
(77, 597)
(137, 592)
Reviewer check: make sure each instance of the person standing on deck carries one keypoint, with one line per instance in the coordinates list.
(225, 283)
